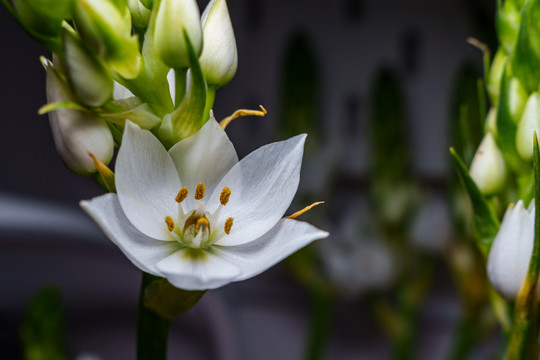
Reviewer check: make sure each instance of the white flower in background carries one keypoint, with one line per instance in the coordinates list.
(488, 169)
(511, 251)
(432, 228)
(354, 259)
(528, 125)
(195, 214)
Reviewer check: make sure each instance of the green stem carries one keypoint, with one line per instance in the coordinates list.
(180, 76)
(321, 308)
(464, 339)
(152, 330)
(210, 98)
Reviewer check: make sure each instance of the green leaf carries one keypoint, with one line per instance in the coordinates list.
(43, 329)
(485, 221)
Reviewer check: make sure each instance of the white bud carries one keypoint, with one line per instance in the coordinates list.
(511, 251)
(517, 97)
(488, 169)
(219, 58)
(76, 133)
(173, 17)
(527, 126)
(491, 122)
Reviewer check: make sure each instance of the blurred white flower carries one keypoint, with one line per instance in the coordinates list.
(511, 251)
(432, 228)
(354, 260)
(164, 222)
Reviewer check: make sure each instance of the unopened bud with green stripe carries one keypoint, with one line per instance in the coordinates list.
(173, 18)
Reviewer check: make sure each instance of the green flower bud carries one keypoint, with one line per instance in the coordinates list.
(105, 26)
(219, 58)
(488, 169)
(43, 17)
(88, 77)
(173, 17)
(517, 97)
(76, 134)
(508, 20)
(495, 73)
(528, 124)
(491, 122)
(140, 15)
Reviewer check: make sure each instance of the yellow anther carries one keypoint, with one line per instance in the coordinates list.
(228, 225)
(170, 223)
(304, 210)
(224, 196)
(201, 222)
(240, 113)
(199, 192)
(182, 194)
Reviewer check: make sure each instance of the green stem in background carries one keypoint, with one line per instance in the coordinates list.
(210, 98)
(467, 333)
(319, 327)
(152, 329)
(180, 76)
(524, 338)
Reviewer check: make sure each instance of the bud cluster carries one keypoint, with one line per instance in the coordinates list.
(167, 60)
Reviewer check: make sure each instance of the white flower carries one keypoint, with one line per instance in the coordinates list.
(511, 251)
(198, 216)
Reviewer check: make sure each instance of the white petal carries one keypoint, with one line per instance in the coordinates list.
(511, 251)
(262, 186)
(146, 182)
(204, 157)
(187, 273)
(121, 92)
(143, 251)
(281, 241)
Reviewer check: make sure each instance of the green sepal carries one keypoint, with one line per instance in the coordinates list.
(485, 221)
(507, 20)
(116, 132)
(525, 60)
(507, 126)
(43, 330)
(61, 105)
(524, 338)
(133, 109)
(189, 117)
(167, 301)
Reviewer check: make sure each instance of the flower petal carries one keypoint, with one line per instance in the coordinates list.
(262, 186)
(146, 181)
(186, 272)
(143, 251)
(281, 241)
(204, 157)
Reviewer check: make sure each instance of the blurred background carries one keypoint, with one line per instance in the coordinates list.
(377, 86)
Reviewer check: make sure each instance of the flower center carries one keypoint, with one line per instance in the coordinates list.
(198, 228)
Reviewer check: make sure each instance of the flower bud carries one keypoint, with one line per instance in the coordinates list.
(140, 15)
(527, 126)
(173, 17)
(219, 58)
(105, 27)
(76, 134)
(88, 77)
(517, 97)
(491, 122)
(44, 17)
(508, 19)
(488, 169)
(511, 251)
(495, 74)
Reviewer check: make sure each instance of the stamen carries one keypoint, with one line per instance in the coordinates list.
(182, 194)
(201, 222)
(228, 225)
(170, 223)
(224, 196)
(242, 112)
(304, 210)
(199, 192)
